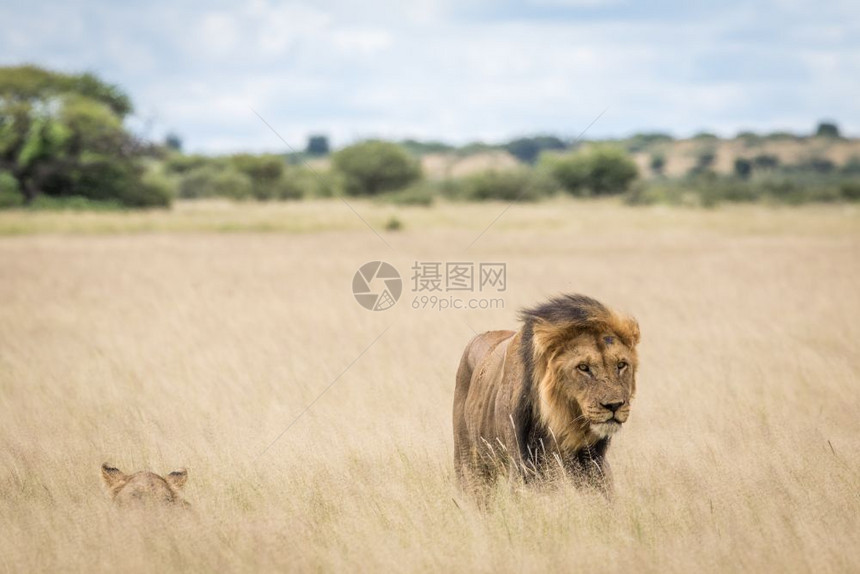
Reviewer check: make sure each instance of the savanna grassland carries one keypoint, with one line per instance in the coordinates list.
(195, 337)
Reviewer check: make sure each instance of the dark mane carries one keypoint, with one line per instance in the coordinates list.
(560, 310)
(564, 311)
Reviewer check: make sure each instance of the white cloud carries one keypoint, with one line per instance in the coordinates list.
(575, 3)
(442, 70)
(364, 42)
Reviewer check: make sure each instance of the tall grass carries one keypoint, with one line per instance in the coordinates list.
(165, 350)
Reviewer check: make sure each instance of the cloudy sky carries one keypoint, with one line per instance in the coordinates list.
(453, 70)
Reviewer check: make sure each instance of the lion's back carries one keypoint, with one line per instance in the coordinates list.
(474, 395)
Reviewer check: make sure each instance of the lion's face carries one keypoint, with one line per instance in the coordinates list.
(597, 376)
(587, 383)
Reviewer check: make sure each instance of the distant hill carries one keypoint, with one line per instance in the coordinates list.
(682, 156)
(659, 154)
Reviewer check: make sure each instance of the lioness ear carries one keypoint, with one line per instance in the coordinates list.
(177, 478)
(111, 475)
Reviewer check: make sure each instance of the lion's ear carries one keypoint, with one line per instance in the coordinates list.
(111, 476)
(547, 336)
(177, 478)
(633, 331)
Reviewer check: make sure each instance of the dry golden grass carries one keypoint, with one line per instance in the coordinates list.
(561, 213)
(166, 349)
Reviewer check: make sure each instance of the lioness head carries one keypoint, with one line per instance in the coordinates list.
(582, 357)
(144, 487)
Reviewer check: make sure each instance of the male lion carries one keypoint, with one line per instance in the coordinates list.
(144, 488)
(546, 398)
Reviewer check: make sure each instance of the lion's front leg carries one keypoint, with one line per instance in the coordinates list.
(600, 478)
(591, 469)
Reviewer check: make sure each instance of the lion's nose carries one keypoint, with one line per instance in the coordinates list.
(612, 406)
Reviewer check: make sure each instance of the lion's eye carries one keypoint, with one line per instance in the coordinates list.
(583, 367)
(622, 365)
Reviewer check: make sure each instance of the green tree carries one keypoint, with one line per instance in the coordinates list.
(643, 141)
(706, 136)
(765, 161)
(704, 161)
(419, 148)
(658, 163)
(528, 149)
(820, 165)
(374, 167)
(173, 142)
(827, 130)
(317, 145)
(25, 84)
(851, 167)
(63, 135)
(599, 170)
(743, 168)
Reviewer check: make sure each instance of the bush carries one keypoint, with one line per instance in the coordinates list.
(850, 190)
(300, 182)
(598, 171)
(419, 148)
(393, 224)
(528, 149)
(74, 203)
(781, 136)
(707, 136)
(658, 163)
(103, 179)
(715, 190)
(243, 177)
(709, 189)
(795, 190)
(211, 181)
(10, 193)
(644, 141)
(156, 185)
(181, 164)
(660, 192)
(265, 173)
(820, 165)
(765, 161)
(851, 167)
(316, 184)
(374, 167)
(421, 193)
(743, 168)
(749, 139)
(704, 161)
(509, 185)
(290, 186)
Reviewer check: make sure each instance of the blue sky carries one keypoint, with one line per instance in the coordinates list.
(453, 70)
